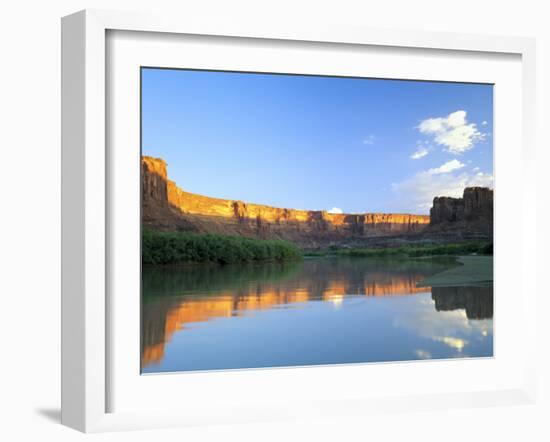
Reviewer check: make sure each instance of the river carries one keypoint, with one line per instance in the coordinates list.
(316, 311)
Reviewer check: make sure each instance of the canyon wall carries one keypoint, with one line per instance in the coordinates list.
(476, 204)
(469, 217)
(167, 207)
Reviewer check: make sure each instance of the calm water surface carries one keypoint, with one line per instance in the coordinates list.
(319, 311)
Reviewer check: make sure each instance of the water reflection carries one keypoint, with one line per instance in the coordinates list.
(190, 303)
(476, 301)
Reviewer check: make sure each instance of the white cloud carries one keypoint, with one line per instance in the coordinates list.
(421, 152)
(416, 194)
(336, 210)
(453, 131)
(423, 148)
(369, 140)
(476, 169)
(484, 123)
(449, 166)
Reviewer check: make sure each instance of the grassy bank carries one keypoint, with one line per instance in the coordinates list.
(183, 247)
(412, 251)
(474, 270)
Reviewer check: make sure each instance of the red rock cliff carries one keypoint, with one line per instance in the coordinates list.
(167, 207)
(466, 218)
(475, 205)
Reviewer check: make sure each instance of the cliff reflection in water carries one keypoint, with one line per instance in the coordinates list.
(476, 301)
(176, 299)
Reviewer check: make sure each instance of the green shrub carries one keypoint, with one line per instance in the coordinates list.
(419, 251)
(181, 247)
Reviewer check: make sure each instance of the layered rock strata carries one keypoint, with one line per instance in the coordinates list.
(476, 204)
(469, 217)
(167, 207)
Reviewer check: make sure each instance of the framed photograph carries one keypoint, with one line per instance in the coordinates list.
(279, 222)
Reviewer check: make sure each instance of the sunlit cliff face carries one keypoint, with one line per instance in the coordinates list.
(166, 206)
(189, 309)
(203, 205)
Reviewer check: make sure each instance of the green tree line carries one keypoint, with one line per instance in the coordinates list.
(411, 251)
(184, 247)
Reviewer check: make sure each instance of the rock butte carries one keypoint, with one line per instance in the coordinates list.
(469, 217)
(167, 207)
(476, 204)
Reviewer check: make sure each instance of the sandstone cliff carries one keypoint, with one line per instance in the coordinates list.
(167, 207)
(469, 216)
(476, 204)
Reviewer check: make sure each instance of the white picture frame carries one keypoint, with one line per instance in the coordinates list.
(86, 207)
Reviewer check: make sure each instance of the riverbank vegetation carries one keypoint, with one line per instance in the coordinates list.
(184, 247)
(411, 251)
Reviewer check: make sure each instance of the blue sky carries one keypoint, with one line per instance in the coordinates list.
(321, 143)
